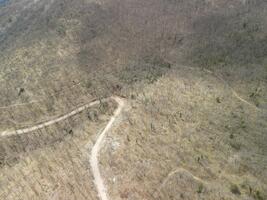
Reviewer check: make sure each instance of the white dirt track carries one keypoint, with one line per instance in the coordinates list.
(53, 121)
(99, 182)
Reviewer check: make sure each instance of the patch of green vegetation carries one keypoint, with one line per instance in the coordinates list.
(235, 145)
(158, 61)
(253, 192)
(243, 124)
(257, 195)
(256, 96)
(61, 30)
(218, 99)
(235, 189)
(103, 107)
(10, 19)
(210, 60)
(200, 188)
(148, 70)
(233, 45)
(87, 84)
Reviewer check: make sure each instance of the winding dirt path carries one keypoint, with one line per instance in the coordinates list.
(99, 183)
(232, 90)
(53, 121)
(235, 94)
(94, 162)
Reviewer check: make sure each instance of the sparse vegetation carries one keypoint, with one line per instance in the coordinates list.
(61, 30)
(235, 189)
(57, 55)
(258, 196)
(235, 145)
(200, 188)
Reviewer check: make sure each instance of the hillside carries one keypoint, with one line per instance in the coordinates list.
(193, 75)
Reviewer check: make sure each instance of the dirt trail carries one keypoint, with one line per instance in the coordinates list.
(51, 122)
(232, 90)
(99, 183)
(236, 95)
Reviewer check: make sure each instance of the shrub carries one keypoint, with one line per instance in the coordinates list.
(234, 189)
(200, 188)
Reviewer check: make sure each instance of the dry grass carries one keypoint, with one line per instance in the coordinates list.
(52, 163)
(186, 127)
(57, 55)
